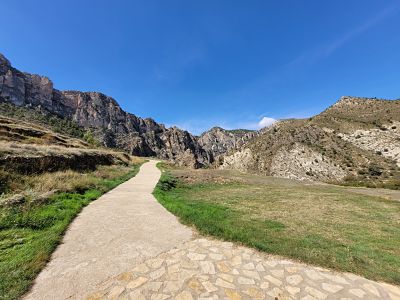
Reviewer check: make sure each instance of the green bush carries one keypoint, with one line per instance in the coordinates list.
(89, 137)
(167, 183)
(374, 170)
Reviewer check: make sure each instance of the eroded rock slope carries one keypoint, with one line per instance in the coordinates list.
(356, 139)
(218, 141)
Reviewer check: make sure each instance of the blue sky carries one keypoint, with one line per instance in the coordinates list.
(196, 64)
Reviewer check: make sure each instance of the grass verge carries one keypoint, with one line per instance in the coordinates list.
(321, 225)
(30, 233)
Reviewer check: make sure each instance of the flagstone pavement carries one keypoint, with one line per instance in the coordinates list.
(209, 269)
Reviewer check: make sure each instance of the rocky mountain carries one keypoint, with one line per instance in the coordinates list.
(355, 140)
(218, 141)
(100, 113)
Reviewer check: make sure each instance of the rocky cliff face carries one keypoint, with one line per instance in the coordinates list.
(356, 139)
(102, 114)
(218, 141)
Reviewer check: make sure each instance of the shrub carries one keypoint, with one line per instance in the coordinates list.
(374, 170)
(89, 137)
(362, 172)
(4, 178)
(167, 183)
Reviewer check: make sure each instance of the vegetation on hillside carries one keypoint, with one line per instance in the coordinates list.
(239, 131)
(50, 121)
(41, 117)
(351, 113)
(27, 148)
(324, 225)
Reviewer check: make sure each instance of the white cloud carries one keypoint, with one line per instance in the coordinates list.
(266, 121)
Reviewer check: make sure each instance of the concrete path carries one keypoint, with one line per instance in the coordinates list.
(113, 234)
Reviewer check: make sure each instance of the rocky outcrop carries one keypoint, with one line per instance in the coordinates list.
(242, 160)
(304, 163)
(218, 141)
(384, 141)
(356, 139)
(102, 114)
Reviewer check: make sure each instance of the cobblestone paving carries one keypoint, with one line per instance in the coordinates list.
(209, 269)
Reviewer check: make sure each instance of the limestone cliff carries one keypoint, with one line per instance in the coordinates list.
(102, 114)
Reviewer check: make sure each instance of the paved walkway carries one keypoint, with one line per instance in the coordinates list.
(113, 234)
(126, 246)
(209, 269)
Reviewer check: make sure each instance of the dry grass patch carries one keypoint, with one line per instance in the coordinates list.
(32, 187)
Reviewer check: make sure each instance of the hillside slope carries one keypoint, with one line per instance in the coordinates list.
(356, 139)
(27, 148)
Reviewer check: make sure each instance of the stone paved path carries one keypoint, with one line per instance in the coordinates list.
(210, 269)
(114, 233)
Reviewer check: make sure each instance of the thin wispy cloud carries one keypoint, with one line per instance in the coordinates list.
(316, 54)
(293, 69)
(382, 15)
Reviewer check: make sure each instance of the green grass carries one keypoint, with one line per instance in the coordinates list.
(28, 235)
(321, 225)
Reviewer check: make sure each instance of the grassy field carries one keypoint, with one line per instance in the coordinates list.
(323, 225)
(30, 232)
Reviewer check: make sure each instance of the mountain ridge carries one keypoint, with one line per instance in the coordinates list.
(113, 126)
(354, 140)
